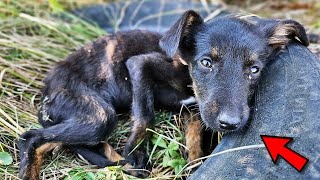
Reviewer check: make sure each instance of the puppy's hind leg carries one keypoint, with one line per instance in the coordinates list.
(34, 143)
(31, 159)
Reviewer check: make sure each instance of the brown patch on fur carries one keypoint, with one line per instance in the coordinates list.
(111, 48)
(214, 52)
(34, 168)
(195, 89)
(139, 129)
(139, 124)
(111, 154)
(193, 136)
(104, 71)
(178, 62)
(253, 57)
(250, 60)
(190, 20)
(100, 111)
(281, 33)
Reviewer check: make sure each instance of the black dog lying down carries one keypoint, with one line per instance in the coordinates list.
(143, 70)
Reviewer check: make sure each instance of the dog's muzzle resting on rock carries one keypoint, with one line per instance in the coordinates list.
(287, 104)
(226, 56)
(141, 71)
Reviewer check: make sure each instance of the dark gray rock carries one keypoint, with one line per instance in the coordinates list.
(150, 15)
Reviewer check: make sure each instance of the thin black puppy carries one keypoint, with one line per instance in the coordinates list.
(84, 93)
(143, 71)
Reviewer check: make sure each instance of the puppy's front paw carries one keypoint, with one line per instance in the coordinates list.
(137, 158)
(25, 170)
(137, 161)
(140, 173)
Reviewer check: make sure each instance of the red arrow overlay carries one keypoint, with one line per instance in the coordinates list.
(276, 147)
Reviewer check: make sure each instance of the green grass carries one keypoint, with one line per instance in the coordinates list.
(32, 38)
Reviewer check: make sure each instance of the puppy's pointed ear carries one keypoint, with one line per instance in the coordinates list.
(280, 33)
(180, 37)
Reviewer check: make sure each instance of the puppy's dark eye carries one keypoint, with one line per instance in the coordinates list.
(206, 63)
(254, 70)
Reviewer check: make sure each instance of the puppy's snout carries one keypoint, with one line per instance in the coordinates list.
(228, 122)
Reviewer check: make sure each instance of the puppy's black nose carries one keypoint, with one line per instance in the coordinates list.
(227, 126)
(228, 123)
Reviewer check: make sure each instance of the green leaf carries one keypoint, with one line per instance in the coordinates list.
(160, 153)
(55, 6)
(78, 176)
(173, 163)
(113, 177)
(178, 168)
(5, 158)
(173, 153)
(173, 145)
(100, 175)
(182, 162)
(90, 176)
(159, 142)
(165, 161)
